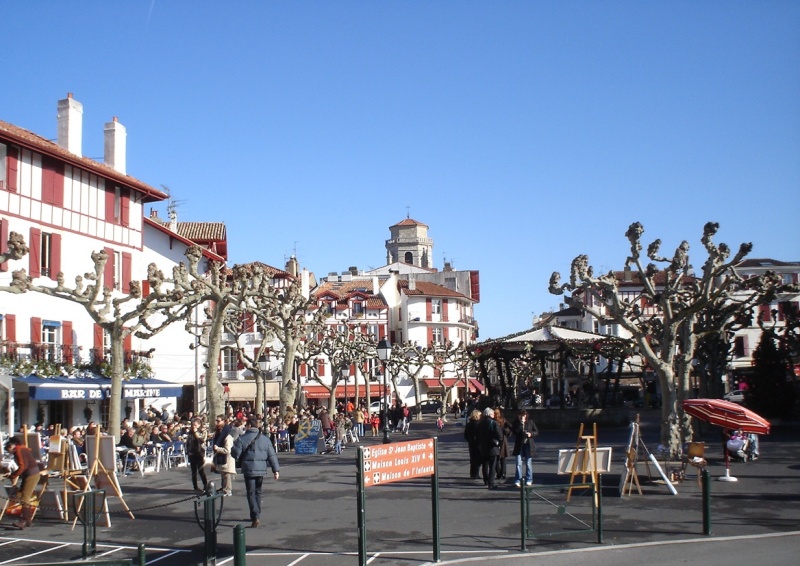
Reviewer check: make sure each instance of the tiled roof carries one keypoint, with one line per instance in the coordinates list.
(271, 271)
(636, 280)
(203, 231)
(766, 263)
(424, 288)
(410, 222)
(160, 226)
(342, 291)
(39, 144)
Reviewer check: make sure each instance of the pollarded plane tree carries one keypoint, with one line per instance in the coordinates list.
(341, 347)
(661, 319)
(15, 249)
(282, 316)
(122, 314)
(452, 361)
(411, 359)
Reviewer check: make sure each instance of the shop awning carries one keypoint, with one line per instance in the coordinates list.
(474, 385)
(321, 392)
(64, 388)
(245, 390)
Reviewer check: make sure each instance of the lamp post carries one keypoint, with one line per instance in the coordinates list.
(384, 350)
(346, 376)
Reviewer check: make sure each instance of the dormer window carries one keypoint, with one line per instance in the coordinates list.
(358, 308)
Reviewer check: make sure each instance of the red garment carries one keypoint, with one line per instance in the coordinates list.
(26, 462)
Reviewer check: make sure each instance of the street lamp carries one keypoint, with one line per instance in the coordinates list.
(384, 350)
(345, 375)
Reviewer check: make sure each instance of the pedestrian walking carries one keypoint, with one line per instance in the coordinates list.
(224, 464)
(471, 436)
(27, 471)
(490, 437)
(524, 432)
(196, 453)
(255, 453)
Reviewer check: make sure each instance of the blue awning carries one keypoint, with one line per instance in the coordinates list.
(63, 388)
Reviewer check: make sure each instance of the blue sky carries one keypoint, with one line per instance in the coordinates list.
(521, 133)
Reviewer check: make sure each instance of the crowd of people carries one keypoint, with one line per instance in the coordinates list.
(487, 434)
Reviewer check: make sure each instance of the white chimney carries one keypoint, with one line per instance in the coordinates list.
(375, 288)
(114, 144)
(305, 283)
(70, 124)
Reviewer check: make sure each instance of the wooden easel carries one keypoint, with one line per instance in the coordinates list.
(66, 465)
(103, 479)
(630, 478)
(585, 462)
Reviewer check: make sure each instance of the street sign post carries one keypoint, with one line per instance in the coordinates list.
(387, 463)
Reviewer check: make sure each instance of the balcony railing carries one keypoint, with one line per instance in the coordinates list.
(18, 352)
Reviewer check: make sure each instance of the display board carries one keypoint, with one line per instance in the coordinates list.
(308, 436)
(107, 449)
(570, 460)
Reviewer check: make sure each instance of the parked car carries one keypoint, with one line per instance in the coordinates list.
(735, 397)
(430, 406)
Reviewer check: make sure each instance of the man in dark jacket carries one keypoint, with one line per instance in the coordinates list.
(256, 453)
(524, 431)
(489, 439)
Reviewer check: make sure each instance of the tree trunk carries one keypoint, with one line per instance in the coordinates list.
(214, 389)
(289, 386)
(117, 372)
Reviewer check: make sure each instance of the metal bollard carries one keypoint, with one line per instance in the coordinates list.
(706, 482)
(142, 555)
(239, 546)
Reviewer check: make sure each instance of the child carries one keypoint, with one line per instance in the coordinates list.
(440, 424)
(375, 421)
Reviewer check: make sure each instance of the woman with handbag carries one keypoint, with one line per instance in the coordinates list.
(196, 453)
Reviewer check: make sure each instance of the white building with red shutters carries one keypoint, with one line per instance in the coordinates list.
(68, 206)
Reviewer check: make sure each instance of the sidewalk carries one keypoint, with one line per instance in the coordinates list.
(311, 511)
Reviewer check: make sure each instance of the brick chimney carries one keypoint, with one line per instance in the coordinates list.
(70, 124)
(114, 145)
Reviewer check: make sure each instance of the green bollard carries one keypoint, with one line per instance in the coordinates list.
(142, 556)
(239, 546)
(706, 481)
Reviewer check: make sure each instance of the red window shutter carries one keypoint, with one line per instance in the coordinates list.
(110, 198)
(428, 309)
(303, 370)
(381, 332)
(430, 335)
(55, 255)
(108, 274)
(3, 242)
(98, 335)
(320, 368)
(36, 330)
(127, 344)
(444, 310)
(125, 208)
(445, 334)
(126, 272)
(11, 327)
(35, 253)
(12, 168)
(66, 340)
(764, 312)
(145, 287)
(52, 182)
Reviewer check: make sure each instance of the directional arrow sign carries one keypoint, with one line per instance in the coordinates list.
(399, 461)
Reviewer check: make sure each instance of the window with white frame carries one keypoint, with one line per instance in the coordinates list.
(372, 330)
(51, 334)
(436, 306)
(437, 336)
(230, 360)
(358, 308)
(45, 254)
(117, 270)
